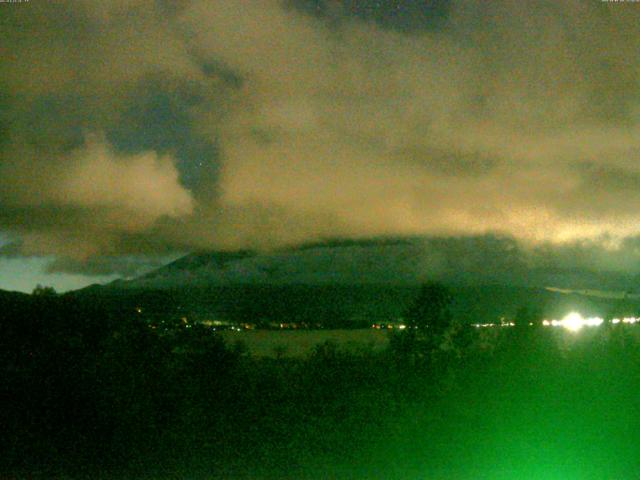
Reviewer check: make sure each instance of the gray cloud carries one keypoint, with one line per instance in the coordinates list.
(143, 127)
(106, 265)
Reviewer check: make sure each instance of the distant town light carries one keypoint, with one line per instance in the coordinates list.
(574, 322)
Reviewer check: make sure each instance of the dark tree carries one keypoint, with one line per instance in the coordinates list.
(431, 311)
(431, 336)
(528, 315)
(42, 291)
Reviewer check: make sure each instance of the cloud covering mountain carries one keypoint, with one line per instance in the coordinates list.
(468, 261)
(141, 128)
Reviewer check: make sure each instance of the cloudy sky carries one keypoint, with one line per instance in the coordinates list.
(133, 131)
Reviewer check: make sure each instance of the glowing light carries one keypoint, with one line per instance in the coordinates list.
(594, 322)
(574, 322)
(487, 325)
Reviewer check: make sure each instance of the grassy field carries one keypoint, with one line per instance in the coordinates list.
(300, 343)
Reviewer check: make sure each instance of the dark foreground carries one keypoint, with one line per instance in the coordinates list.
(89, 395)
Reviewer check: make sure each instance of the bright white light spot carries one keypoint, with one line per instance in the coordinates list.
(594, 322)
(573, 321)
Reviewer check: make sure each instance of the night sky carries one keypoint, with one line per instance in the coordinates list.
(134, 131)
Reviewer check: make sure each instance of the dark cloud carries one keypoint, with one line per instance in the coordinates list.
(401, 15)
(105, 265)
(607, 178)
(160, 115)
(12, 249)
(449, 163)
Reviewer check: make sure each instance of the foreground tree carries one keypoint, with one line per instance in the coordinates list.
(431, 311)
(430, 327)
(528, 316)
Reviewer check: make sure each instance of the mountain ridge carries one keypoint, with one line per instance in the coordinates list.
(398, 261)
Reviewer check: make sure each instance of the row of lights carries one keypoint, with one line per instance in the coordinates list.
(490, 325)
(388, 326)
(572, 321)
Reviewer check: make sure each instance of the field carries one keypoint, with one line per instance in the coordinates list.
(300, 343)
